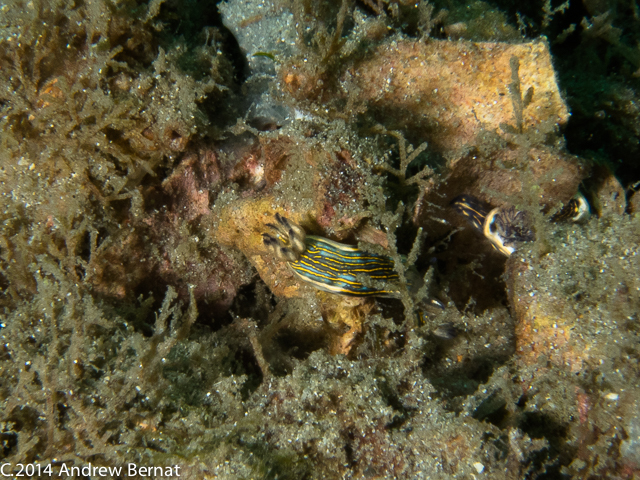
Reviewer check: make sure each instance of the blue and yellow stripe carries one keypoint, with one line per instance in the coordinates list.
(471, 208)
(334, 267)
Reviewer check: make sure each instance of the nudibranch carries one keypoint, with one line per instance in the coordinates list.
(331, 266)
(503, 227)
(576, 210)
(343, 269)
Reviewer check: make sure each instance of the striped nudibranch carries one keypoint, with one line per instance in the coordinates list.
(343, 269)
(576, 210)
(501, 226)
(331, 266)
(505, 226)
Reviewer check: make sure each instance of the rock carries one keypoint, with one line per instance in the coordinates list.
(576, 302)
(260, 29)
(266, 34)
(551, 177)
(448, 92)
(606, 194)
(634, 203)
(163, 243)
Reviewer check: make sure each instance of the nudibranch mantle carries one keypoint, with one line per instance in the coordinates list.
(503, 227)
(331, 266)
(577, 210)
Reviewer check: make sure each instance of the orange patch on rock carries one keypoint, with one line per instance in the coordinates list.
(543, 327)
(453, 90)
